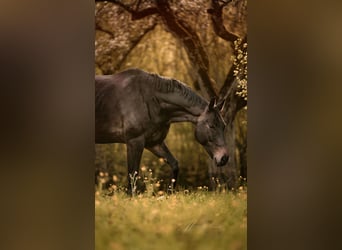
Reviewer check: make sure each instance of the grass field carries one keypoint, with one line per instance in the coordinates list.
(199, 220)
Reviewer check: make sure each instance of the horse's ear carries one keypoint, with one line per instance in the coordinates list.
(220, 105)
(212, 103)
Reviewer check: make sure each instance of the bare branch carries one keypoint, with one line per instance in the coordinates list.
(117, 2)
(233, 103)
(108, 32)
(135, 14)
(227, 84)
(144, 13)
(216, 18)
(192, 43)
(134, 44)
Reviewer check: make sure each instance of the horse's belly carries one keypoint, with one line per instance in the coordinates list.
(113, 131)
(108, 137)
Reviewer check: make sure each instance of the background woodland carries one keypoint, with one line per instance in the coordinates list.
(202, 43)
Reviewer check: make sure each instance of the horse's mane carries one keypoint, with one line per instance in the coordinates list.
(170, 85)
(167, 85)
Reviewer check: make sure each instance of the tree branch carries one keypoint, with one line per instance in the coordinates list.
(228, 91)
(192, 43)
(144, 13)
(229, 87)
(227, 84)
(233, 103)
(117, 2)
(135, 14)
(108, 32)
(134, 44)
(217, 20)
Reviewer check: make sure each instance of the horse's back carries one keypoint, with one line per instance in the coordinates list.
(120, 108)
(129, 79)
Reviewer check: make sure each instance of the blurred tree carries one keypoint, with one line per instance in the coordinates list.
(200, 42)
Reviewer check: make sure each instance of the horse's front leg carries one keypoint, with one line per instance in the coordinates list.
(135, 148)
(162, 151)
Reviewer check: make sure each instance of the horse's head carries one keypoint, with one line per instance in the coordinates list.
(210, 133)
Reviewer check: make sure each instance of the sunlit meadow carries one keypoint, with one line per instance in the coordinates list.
(196, 219)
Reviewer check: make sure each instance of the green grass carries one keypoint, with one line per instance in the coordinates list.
(195, 221)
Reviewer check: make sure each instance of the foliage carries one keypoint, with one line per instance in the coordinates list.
(185, 220)
(240, 64)
(116, 35)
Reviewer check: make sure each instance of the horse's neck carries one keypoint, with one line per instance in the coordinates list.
(181, 116)
(180, 109)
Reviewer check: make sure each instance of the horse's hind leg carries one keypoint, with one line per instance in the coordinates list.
(135, 148)
(162, 151)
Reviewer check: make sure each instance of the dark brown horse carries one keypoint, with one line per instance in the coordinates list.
(136, 108)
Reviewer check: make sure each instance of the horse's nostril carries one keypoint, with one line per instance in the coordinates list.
(224, 160)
